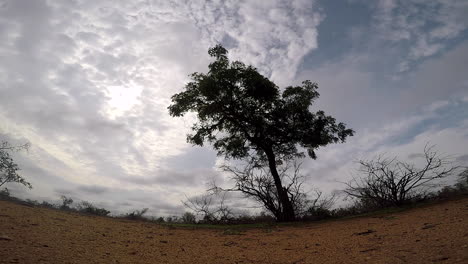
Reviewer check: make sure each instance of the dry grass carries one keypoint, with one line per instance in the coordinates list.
(430, 234)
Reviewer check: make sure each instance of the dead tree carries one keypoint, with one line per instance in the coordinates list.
(391, 182)
(255, 182)
(210, 206)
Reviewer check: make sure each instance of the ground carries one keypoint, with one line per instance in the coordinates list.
(436, 233)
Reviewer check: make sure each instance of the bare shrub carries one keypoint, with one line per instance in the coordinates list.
(459, 188)
(253, 180)
(391, 182)
(5, 193)
(320, 207)
(188, 218)
(137, 214)
(263, 217)
(66, 202)
(48, 205)
(89, 208)
(211, 207)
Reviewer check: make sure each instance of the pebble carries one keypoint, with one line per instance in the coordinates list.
(6, 238)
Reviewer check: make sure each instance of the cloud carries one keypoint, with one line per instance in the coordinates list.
(423, 26)
(93, 189)
(463, 158)
(272, 35)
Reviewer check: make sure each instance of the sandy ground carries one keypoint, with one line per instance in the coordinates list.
(431, 234)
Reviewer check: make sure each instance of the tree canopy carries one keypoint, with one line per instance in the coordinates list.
(241, 112)
(8, 168)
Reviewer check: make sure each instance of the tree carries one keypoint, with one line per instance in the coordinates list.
(8, 168)
(188, 218)
(255, 181)
(242, 113)
(66, 202)
(390, 182)
(211, 206)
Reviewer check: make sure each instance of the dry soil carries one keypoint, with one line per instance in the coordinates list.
(430, 234)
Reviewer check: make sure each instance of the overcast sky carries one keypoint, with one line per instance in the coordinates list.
(88, 83)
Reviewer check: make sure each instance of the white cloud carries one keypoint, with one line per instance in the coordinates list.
(88, 83)
(424, 25)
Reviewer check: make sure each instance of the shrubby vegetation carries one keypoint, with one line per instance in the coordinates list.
(89, 208)
(383, 183)
(8, 168)
(136, 215)
(391, 182)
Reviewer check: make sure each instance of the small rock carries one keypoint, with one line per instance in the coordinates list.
(369, 231)
(440, 259)
(5, 238)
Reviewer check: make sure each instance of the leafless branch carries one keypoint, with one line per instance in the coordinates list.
(391, 182)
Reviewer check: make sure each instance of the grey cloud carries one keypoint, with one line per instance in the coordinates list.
(174, 178)
(66, 192)
(437, 79)
(194, 158)
(93, 189)
(463, 158)
(427, 25)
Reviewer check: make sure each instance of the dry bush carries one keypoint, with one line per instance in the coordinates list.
(391, 182)
(137, 215)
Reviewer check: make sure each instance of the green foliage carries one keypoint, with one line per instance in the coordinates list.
(252, 113)
(8, 168)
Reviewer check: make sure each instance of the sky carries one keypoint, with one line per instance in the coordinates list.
(88, 84)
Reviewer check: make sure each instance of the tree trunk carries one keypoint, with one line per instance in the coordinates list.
(287, 212)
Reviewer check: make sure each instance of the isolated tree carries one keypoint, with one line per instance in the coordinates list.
(8, 168)
(391, 182)
(242, 112)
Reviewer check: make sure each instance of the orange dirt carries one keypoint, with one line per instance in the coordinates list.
(435, 233)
